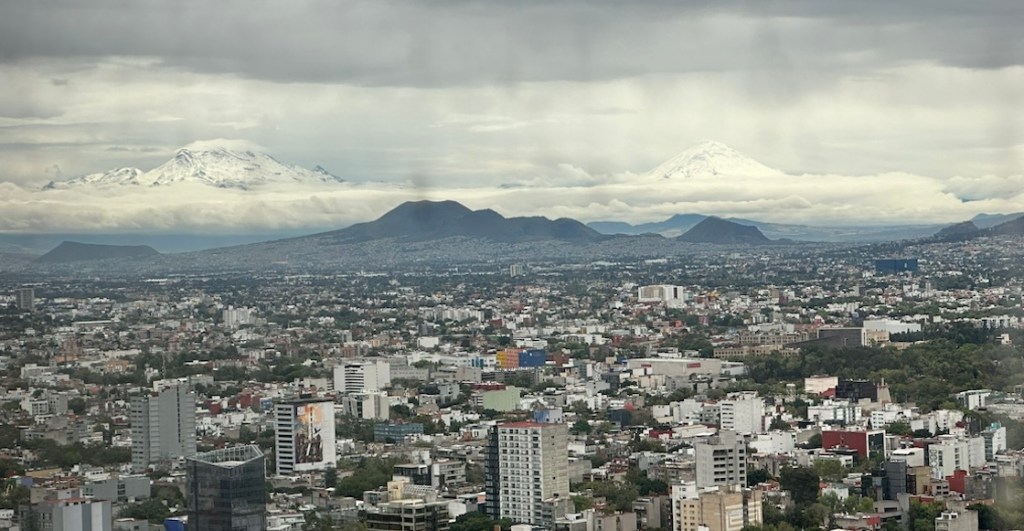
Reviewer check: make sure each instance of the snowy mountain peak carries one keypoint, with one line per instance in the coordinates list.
(710, 158)
(210, 165)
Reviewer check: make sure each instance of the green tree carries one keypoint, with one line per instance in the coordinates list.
(922, 516)
(478, 521)
(371, 473)
(581, 426)
(779, 424)
(77, 405)
(152, 509)
(582, 503)
(828, 469)
(757, 476)
(802, 484)
(899, 428)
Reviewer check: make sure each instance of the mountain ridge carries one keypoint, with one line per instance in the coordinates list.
(215, 166)
(69, 252)
(429, 220)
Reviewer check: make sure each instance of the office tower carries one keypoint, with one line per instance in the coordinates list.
(526, 471)
(362, 377)
(163, 426)
(227, 490)
(304, 435)
(721, 460)
(26, 299)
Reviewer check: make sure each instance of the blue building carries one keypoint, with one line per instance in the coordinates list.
(535, 357)
(394, 433)
(893, 266)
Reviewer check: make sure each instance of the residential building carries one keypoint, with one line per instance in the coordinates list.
(957, 521)
(69, 511)
(226, 490)
(948, 454)
(995, 440)
(304, 435)
(974, 398)
(725, 508)
(721, 460)
(408, 515)
(362, 376)
(526, 466)
(742, 413)
(163, 426)
(25, 298)
(367, 406)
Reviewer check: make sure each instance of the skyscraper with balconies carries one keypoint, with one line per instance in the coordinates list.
(526, 471)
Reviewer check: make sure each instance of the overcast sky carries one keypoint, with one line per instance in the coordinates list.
(457, 98)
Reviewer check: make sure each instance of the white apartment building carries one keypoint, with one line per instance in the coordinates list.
(953, 452)
(742, 413)
(890, 413)
(367, 406)
(236, 317)
(834, 411)
(974, 398)
(362, 376)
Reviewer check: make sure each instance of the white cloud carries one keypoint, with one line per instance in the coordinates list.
(881, 199)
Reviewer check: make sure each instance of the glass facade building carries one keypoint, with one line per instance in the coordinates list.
(227, 490)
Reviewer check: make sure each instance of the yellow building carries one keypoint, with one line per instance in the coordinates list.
(726, 508)
(508, 358)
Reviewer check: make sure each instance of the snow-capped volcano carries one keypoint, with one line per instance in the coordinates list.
(212, 166)
(707, 159)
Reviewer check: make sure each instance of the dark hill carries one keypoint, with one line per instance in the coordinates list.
(720, 231)
(958, 230)
(68, 252)
(1014, 227)
(435, 220)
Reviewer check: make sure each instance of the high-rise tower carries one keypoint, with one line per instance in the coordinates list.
(163, 426)
(526, 471)
(227, 490)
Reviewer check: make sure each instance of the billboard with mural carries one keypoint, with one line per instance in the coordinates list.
(314, 435)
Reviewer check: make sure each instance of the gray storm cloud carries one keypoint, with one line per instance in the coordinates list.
(541, 108)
